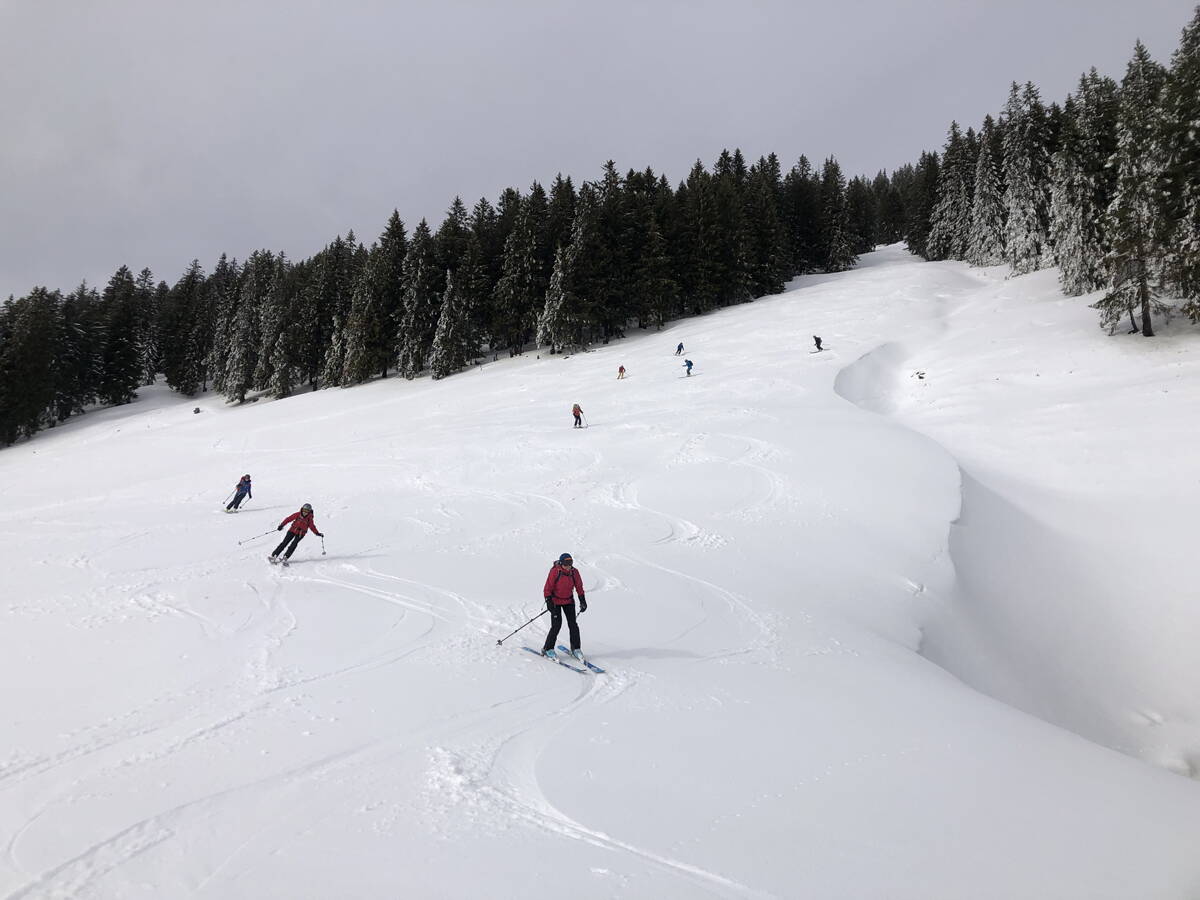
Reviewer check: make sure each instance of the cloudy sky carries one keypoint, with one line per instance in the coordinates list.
(149, 132)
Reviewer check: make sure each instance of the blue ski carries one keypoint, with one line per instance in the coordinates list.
(596, 669)
(565, 665)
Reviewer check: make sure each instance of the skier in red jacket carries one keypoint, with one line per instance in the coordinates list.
(302, 523)
(561, 583)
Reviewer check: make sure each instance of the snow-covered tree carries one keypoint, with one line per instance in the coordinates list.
(1026, 181)
(1130, 221)
(454, 343)
(950, 223)
(985, 240)
(1081, 184)
(1179, 209)
(421, 302)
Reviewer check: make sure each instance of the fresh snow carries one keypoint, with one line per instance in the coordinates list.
(912, 617)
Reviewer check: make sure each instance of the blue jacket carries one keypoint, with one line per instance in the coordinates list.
(243, 487)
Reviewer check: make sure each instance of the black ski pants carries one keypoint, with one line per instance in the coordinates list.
(556, 616)
(291, 538)
(236, 501)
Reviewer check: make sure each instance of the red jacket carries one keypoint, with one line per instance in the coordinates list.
(559, 585)
(301, 524)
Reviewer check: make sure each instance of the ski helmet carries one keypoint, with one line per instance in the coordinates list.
(307, 506)
(565, 558)
(247, 475)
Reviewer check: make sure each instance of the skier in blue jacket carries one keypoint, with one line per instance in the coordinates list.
(241, 492)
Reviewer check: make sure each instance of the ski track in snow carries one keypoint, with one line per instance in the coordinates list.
(359, 696)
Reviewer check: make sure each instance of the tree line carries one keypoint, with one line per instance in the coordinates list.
(1105, 185)
(561, 269)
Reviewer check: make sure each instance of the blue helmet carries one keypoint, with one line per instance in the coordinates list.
(565, 558)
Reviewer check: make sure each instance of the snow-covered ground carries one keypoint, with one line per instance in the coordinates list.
(939, 641)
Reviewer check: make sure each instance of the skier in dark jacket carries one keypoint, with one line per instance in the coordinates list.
(817, 341)
(563, 581)
(302, 523)
(241, 492)
(687, 364)
(679, 349)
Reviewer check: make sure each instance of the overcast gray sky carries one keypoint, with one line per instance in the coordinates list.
(149, 132)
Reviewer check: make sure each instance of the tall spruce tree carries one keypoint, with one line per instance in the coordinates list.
(245, 334)
(985, 237)
(920, 196)
(1027, 181)
(377, 294)
(29, 347)
(182, 355)
(835, 240)
(454, 342)
(1179, 208)
(950, 223)
(421, 303)
(121, 366)
(79, 348)
(1131, 218)
(520, 291)
(1082, 184)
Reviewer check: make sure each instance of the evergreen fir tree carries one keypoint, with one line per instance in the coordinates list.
(950, 223)
(861, 210)
(1082, 184)
(985, 237)
(421, 302)
(835, 220)
(1130, 221)
(560, 217)
(29, 346)
(1179, 207)
(520, 290)
(454, 345)
(560, 325)
(697, 269)
(920, 195)
(221, 298)
(889, 209)
(371, 342)
(1027, 182)
(145, 295)
(79, 351)
(121, 366)
(245, 332)
(182, 358)
(801, 214)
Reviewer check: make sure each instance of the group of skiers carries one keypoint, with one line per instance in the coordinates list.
(301, 522)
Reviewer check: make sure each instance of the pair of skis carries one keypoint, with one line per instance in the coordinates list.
(582, 671)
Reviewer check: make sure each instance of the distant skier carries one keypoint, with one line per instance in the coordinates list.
(561, 583)
(817, 341)
(577, 412)
(687, 364)
(620, 373)
(241, 492)
(679, 349)
(302, 523)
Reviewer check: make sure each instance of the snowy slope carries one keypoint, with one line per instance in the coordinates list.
(798, 639)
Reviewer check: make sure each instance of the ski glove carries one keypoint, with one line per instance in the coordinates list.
(550, 604)
(280, 528)
(582, 603)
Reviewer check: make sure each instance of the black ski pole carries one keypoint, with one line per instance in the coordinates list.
(256, 537)
(322, 545)
(534, 619)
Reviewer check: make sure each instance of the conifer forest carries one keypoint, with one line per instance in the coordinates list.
(1104, 185)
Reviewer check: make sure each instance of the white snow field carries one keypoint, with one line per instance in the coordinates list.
(913, 617)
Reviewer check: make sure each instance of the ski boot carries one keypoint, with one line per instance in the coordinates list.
(550, 654)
